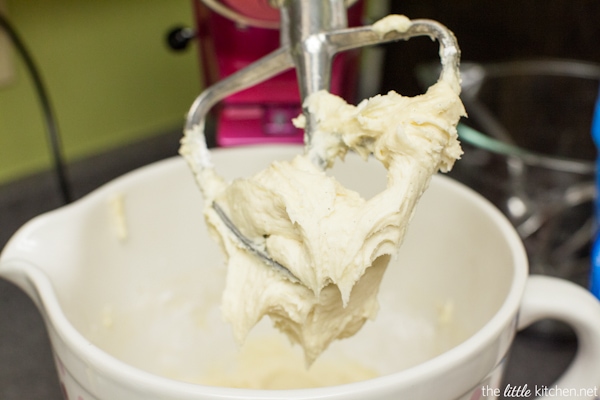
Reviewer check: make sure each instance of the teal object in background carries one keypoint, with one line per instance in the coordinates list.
(595, 267)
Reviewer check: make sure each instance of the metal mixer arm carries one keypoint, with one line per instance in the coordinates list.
(313, 31)
(272, 64)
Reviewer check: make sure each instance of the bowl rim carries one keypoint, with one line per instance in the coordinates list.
(128, 376)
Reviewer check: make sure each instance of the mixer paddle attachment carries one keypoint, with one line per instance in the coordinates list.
(312, 33)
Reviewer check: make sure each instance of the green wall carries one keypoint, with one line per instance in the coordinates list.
(110, 76)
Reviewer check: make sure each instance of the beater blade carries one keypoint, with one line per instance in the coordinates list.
(312, 33)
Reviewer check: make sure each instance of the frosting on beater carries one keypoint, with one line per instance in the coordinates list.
(335, 241)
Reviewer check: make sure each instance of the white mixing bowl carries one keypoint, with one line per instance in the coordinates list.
(129, 283)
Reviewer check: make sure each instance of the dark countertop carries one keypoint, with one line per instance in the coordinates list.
(26, 367)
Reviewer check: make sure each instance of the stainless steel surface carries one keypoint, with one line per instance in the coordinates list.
(529, 150)
(474, 76)
(249, 245)
(312, 33)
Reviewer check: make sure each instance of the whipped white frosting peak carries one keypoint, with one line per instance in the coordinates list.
(419, 129)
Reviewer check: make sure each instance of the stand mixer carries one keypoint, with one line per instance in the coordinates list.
(235, 33)
(312, 33)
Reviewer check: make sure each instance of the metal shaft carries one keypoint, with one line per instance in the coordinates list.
(304, 24)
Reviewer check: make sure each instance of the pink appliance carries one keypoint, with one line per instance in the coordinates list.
(228, 43)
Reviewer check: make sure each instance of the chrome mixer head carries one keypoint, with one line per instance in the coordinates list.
(245, 12)
(312, 33)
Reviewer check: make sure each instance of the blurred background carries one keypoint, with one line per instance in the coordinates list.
(120, 94)
(498, 31)
(110, 76)
(113, 81)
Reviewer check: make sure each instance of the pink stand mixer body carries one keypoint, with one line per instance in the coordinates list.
(261, 113)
